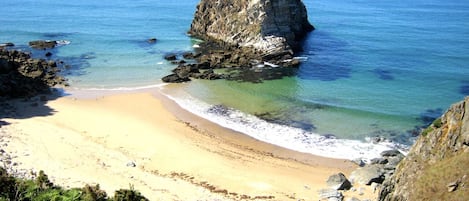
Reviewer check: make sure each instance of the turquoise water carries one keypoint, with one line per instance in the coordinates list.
(373, 68)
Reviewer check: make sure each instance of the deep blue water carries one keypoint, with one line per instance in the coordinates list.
(373, 68)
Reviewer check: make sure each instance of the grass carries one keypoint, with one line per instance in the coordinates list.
(432, 184)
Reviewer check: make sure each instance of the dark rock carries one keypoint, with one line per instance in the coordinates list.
(338, 182)
(367, 175)
(390, 153)
(23, 76)
(42, 44)
(188, 55)
(152, 40)
(48, 54)
(378, 161)
(6, 44)
(170, 57)
(174, 78)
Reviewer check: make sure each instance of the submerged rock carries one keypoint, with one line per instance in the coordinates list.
(152, 40)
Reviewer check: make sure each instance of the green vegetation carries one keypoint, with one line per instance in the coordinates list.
(437, 123)
(41, 189)
(427, 130)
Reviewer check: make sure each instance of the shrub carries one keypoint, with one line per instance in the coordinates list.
(7, 185)
(437, 123)
(93, 193)
(427, 130)
(43, 181)
(128, 195)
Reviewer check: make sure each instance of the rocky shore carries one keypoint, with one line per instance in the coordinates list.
(245, 37)
(24, 76)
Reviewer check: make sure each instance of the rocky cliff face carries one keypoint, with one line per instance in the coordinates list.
(437, 166)
(271, 26)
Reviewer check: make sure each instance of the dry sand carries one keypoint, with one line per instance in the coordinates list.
(177, 156)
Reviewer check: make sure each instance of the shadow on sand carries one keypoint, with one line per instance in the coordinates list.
(24, 108)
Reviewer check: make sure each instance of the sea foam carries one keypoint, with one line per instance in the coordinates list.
(284, 136)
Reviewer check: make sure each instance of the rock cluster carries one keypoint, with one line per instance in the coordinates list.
(211, 55)
(247, 34)
(437, 164)
(378, 169)
(23, 76)
(372, 174)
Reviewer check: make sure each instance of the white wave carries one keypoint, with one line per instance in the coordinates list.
(62, 42)
(284, 136)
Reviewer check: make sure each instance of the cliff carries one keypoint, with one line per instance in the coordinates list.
(270, 26)
(437, 166)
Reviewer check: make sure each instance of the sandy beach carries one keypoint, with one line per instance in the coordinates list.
(144, 140)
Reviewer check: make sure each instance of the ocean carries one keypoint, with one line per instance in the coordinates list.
(372, 71)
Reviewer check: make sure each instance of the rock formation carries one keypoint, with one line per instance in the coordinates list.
(261, 34)
(437, 165)
(271, 26)
(23, 76)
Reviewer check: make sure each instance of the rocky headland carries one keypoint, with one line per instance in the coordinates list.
(437, 165)
(257, 35)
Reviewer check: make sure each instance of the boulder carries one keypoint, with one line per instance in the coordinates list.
(188, 55)
(338, 182)
(42, 44)
(367, 175)
(174, 78)
(378, 161)
(390, 153)
(170, 57)
(6, 44)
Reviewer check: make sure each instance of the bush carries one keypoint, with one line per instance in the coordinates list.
(437, 123)
(93, 193)
(128, 195)
(7, 185)
(41, 189)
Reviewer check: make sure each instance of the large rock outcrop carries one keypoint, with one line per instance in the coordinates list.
(271, 26)
(23, 76)
(437, 166)
(252, 36)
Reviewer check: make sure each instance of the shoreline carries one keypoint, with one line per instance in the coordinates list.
(228, 165)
